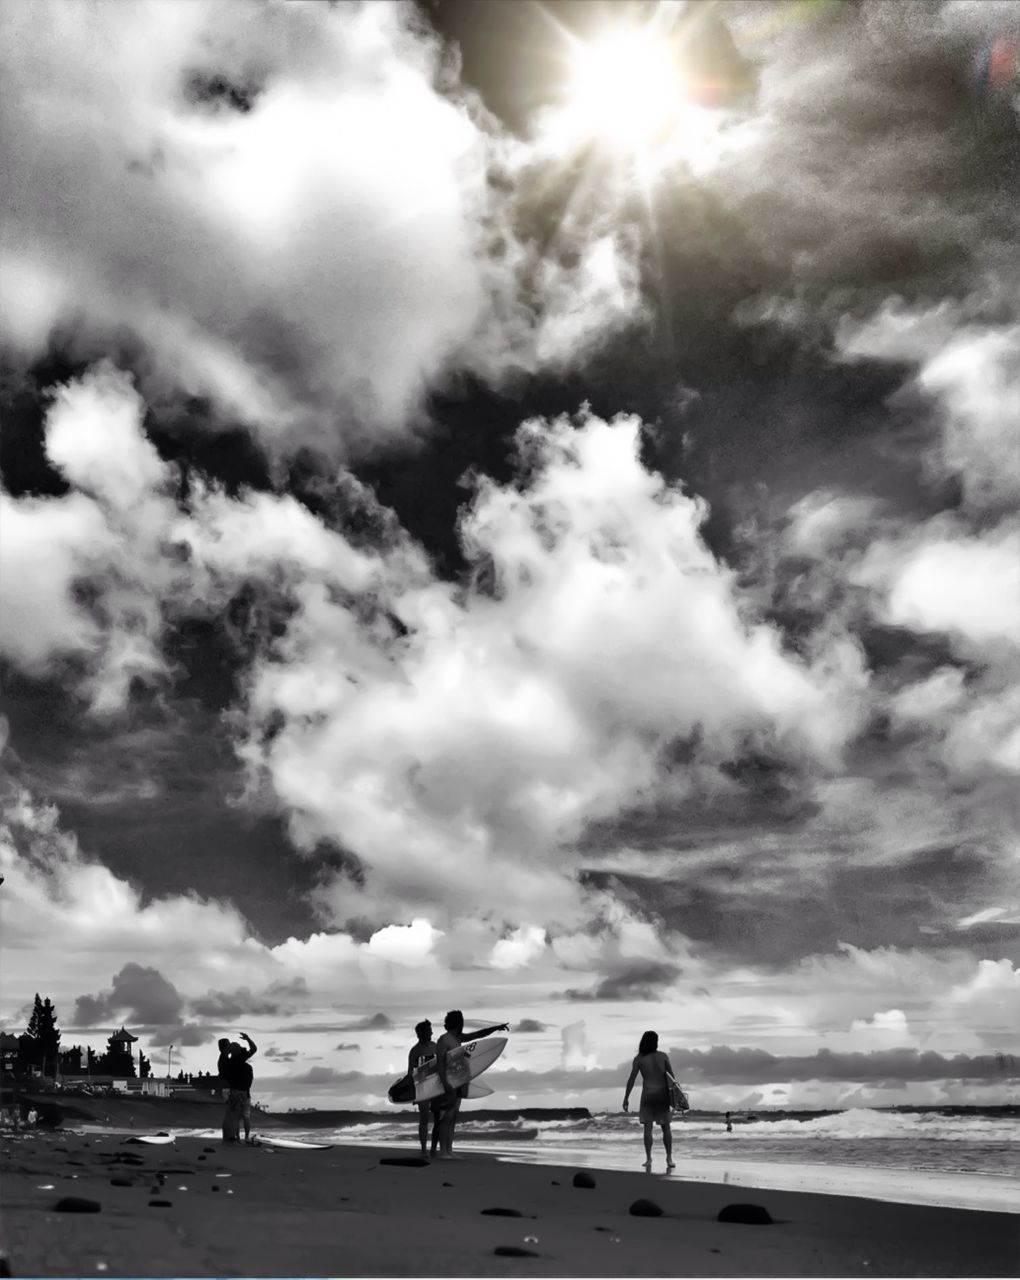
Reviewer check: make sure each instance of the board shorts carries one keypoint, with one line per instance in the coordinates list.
(655, 1108)
(239, 1105)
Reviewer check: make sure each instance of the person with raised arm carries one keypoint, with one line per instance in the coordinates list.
(448, 1043)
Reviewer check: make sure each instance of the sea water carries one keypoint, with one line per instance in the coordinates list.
(968, 1161)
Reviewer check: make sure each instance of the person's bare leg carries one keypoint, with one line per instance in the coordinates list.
(449, 1124)
(667, 1142)
(648, 1143)
(423, 1127)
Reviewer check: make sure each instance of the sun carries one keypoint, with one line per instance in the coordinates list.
(623, 88)
(626, 93)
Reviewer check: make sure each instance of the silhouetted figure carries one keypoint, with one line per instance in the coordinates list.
(729, 1123)
(236, 1077)
(453, 1038)
(655, 1069)
(427, 1111)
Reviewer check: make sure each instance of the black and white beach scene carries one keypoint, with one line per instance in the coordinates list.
(509, 638)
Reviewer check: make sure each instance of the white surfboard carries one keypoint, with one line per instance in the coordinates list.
(150, 1140)
(295, 1144)
(463, 1064)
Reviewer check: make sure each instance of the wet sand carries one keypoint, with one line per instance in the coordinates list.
(253, 1211)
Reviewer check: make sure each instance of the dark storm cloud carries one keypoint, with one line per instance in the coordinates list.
(346, 1048)
(138, 994)
(280, 997)
(527, 1025)
(636, 980)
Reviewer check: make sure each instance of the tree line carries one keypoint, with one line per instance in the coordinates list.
(38, 1050)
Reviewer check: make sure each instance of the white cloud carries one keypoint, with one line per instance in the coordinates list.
(93, 438)
(969, 371)
(405, 944)
(823, 522)
(52, 890)
(475, 750)
(576, 1053)
(520, 949)
(888, 1027)
(314, 261)
(41, 553)
(101, 544)
(941, 579)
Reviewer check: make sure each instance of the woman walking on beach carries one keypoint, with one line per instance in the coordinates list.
(655, 1070)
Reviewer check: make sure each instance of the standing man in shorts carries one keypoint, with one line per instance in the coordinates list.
(453, 1037)
(238, 1076)
(424, 1048)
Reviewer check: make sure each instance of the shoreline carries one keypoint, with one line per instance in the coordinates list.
(194, 1208)
(977, 1192)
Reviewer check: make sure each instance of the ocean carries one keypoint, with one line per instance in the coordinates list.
(968, 1161)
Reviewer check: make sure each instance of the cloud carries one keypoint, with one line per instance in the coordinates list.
(316, 1077)
(180, 1035)
(941, 580)
(966, 375)
(375, 1022)
(90, 567)
(346, 1048)
(53, 889)
(305, 220)
(576, 1053)
(611, 633)
(519, 949)
(723, 1065)
(636, 980)
(527, 1025)
(227, 1006)
(138, 993)
(854, 115)
(404, 944)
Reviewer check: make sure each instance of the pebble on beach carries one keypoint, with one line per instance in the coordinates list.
(753, 1214)
(77, 1204)
(645, 1209)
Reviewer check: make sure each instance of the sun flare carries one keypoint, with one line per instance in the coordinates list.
(626, 92)
(623, 88)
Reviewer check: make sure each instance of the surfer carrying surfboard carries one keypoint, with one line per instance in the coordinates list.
(656, 1071)
(425, 1048)
(447, 1053)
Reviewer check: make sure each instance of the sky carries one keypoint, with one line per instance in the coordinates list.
(514, 507)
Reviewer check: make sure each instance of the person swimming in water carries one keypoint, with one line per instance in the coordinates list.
(655, 1070)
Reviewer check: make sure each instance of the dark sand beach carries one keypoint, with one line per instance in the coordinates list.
(195, 1209)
